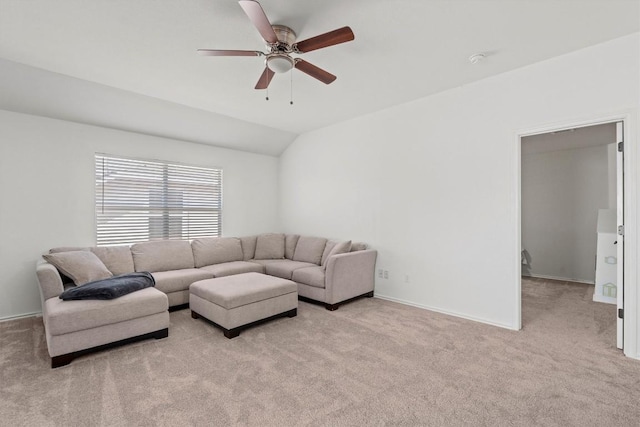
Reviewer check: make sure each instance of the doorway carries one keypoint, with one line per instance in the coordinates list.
(572, 216)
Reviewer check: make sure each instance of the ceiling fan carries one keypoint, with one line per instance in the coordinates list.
(281, 43)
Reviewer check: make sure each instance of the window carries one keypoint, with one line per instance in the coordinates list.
(141, 200)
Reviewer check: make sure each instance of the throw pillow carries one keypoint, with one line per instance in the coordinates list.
(81, 266)
(327, 250)
(358, 246)
(338, 248)
(68, 249)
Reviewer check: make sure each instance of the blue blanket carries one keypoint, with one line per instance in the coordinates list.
(110, 288)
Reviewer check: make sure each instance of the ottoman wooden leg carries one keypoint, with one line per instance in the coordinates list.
(194, 315)
(292, 313)
(65, 359)
(331, 307)
(231, 333)
(162, 333)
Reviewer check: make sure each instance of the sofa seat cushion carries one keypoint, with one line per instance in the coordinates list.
(64, 317)
(285, 268)
(235, 267)
(216, 250)
(264, 262)
(310, 249)
(162, 255)
(179, 280)
(312, 276)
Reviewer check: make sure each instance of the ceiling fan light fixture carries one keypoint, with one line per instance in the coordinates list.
(281, 43)
(280, 63)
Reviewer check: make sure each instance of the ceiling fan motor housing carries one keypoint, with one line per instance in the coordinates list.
(286, 36)
(279, 60)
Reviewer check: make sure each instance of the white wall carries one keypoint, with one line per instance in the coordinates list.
(433, 184)
(561, 194)
(47, 191)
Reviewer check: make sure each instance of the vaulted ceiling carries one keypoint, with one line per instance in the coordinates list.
(403, 50)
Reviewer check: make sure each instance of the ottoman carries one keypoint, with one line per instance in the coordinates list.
(239, 301)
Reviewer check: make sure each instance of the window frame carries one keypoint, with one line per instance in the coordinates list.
(166, 211)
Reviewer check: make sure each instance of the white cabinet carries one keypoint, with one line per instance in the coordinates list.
(606, 258)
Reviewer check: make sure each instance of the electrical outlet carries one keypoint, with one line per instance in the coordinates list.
(406, 278)
(386, 274)
(380, 273)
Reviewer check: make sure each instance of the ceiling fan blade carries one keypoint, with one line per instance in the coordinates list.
(341, 35)
(221, 52)
(259, 19)
(265, 78)
(315, 72)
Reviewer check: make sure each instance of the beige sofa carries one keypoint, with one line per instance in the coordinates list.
(73, 328)
(328, 272)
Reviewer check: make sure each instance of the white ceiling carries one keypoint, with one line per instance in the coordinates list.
(29, 90)
(403, 50)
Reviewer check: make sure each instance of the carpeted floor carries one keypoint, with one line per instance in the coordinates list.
(372, 362)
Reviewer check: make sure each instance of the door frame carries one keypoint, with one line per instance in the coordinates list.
(630, 290)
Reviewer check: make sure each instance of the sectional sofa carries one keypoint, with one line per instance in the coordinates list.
(325, 271)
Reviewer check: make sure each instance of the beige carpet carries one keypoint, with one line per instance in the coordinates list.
(372, 362)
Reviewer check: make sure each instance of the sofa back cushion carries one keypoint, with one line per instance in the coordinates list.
(270, 246)
(216, 250)
(310, 249)
(117, 259)
(290, 241)
(335, 247)
(248, 244)
(81, 266)
(162, 255)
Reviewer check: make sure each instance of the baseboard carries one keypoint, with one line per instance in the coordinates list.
(561, 279)
(447, 312)
(607, 300)
(21, 316)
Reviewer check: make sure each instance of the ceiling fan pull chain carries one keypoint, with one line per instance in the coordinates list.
(291, 93)
(263, 77)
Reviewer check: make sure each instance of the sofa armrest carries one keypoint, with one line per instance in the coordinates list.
(50, 281)
(350, 275)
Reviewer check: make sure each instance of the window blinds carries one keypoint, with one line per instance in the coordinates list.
(141, 200)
